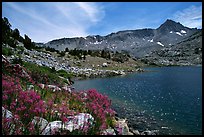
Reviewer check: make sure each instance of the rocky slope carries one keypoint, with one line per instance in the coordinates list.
(186, 52)
(138, 42)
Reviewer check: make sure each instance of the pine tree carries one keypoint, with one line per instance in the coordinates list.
(27, 42)
(16, 34)
(66, 50)
(6, 30)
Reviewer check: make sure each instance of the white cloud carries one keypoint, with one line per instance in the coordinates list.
(33, 14)
(190, 17)
(94, 12)
(58, 20)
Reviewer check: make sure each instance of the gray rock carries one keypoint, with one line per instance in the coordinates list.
(105, 65)
(52, 126)
(81, 119)
(6, 113)
(29, 87)
(67, 88)
(54, 88)
(135, 132)
(109, 131)
(41, 122)
(42, 86)
(75, 122)
(148, 132)
(122, 123)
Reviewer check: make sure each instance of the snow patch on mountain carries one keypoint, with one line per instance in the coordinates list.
(178, 33)
(183, 31)
(97, 42)
(150, 40)
(160, 44)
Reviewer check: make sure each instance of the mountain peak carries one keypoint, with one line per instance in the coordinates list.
(171, 22)
(170, 25)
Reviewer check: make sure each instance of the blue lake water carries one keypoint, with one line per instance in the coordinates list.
(171, 96)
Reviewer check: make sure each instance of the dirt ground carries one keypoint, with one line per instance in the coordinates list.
(97, 63)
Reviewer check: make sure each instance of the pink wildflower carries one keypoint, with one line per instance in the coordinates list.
(64, 119)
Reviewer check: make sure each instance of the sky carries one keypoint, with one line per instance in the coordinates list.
(46, 21)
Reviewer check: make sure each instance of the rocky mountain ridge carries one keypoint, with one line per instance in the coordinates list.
(138, 43)
(186, 52)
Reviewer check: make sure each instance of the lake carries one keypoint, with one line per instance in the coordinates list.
(165, 99)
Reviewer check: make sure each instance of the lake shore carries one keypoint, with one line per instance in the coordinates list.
(115, 73)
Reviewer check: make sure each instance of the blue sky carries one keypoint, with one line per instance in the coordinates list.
(45, 21)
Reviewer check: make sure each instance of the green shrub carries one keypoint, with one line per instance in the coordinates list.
(17, 61)
(64, 74)
(26, 53)
(43, 74)
(20, 48)
(7, 51)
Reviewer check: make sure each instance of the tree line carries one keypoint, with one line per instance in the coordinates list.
(107, 54)
(11, 37)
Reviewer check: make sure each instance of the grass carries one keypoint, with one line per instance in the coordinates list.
(7, 51)
(93, 62)
(43, 74)
(65, 74)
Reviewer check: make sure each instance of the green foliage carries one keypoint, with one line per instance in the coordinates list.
(17, 60)
(26, 53)
(89, 52)
(62, 53)
(12, 42)
(120, 57)
(66, 50)
(9, 36)
(6, 30)
(7, 51)
(20, 48)
(53, 69)
(80, 54)
(105, 54)
(27, 42)
(125, 52)
(96, 53)
(78, 64)
(145, 61)
(51, 49)
(63, 73)
(44, 74)
(73, 52)
(16, 34)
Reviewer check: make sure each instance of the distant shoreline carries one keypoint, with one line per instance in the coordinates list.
(127, 73)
